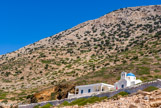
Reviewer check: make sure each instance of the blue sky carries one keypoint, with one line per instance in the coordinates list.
(23, 22)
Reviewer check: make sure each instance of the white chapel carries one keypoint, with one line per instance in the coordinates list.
(127, 79)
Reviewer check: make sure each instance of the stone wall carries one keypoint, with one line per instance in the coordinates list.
(133, 89)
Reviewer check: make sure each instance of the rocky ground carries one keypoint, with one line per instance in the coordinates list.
(141, 99)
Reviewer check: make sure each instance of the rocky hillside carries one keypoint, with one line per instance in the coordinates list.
(95, 51)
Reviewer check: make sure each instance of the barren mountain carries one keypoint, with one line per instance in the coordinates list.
(95, 51)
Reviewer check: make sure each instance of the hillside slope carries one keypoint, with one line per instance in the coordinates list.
(95, 51)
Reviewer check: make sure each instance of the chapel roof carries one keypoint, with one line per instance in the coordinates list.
(130, 74)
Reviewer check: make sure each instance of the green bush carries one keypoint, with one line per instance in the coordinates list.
(156, 71)
(78, 101)
(150, 88)
(65, 103)
(53, 96)
(83, 101)
(3, 94)
(47, 106)
(5, 101)
(46, 66)
(123, 93)
(143, 70)
(120, 94)
(37, 106)
(158, 76)
(144, 78)
(42, 55)
(46, 61)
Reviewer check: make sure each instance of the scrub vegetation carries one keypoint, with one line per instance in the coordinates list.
(91, 52)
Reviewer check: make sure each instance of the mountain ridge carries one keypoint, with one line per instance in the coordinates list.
(77, 26)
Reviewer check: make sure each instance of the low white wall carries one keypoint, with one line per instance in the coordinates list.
(70, 96)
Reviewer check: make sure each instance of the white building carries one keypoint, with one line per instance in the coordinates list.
(88, 90)
(126, 80)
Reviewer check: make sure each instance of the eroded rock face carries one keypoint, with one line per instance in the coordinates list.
(139, 100)
(53, 93)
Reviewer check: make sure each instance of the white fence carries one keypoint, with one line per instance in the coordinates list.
(70, 95)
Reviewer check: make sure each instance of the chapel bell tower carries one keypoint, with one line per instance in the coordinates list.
(123, 75)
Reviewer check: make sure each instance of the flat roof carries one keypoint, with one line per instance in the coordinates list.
(97, 84)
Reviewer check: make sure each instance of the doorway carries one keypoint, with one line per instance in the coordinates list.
(122, 86)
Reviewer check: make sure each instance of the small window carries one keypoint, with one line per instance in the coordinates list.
(81, 91)
(89, 90)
